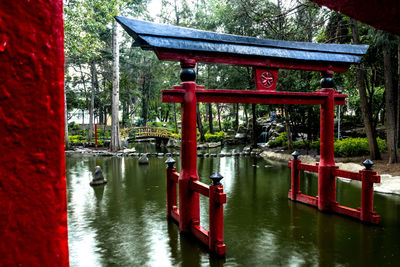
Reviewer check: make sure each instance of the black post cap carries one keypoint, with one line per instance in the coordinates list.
(368, 164)
(327, 82)
(295, 154)
(216, 178)
(170, 162)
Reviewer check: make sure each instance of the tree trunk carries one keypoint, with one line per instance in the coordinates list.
(115, 134)
(365, 106)
(236, 108)
(91, 106)
(175, 119)
(199, 124)
(246, 116)
(288, 130)
(83, 117)
(210, 118)
(254, 137)
(390, 108)
(219, 116)
(398, 93)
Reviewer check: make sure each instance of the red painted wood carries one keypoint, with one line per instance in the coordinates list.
(346, 174)
(199, 232)
(309, 200)
(367, 196)
(174, 176)
(255, 97)
(33, 207)
(345, 211)
(383, 15)
(259, 78)
(95, 134)
(295, 179)
(368, 177)
(199, 187)
(326, 181)
(175, 215)
(307, 167)
(216, 220)
(171, 190)
(207, 57)
(189, 206)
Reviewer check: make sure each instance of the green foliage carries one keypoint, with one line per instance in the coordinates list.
(352, 147)
(176, 135)
(77, 139)
(306, 144)
(227, 125)
(216, 137)
(100, 142)
(280, 141)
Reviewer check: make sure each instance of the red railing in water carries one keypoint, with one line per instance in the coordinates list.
(367, 177)
(214, 237)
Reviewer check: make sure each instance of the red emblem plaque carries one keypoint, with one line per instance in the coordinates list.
(265, 79)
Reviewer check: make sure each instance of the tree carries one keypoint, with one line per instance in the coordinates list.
(115, 133)
(365, 106)
(390, 103)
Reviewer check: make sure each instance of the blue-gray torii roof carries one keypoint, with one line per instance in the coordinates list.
(150, 35)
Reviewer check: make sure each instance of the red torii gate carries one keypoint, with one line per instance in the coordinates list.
(190, 46)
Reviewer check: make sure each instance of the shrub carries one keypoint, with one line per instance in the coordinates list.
(100, 142)
(226, 125)
(352, 147)
(306, 144)
(280, 141)
(216, 137)
(76, 139)
(176, 135)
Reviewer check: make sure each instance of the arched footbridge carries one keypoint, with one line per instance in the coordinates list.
(160, 134)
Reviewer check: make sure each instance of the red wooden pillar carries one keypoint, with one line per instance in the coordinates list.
(217, 198)
(295, 176)
(189, 206)
(33, 207)
(326, 181)
(171, 186)
(367, 193)
(95, 135)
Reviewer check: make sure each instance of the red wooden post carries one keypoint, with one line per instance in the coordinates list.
(295, 176)
(95, 134)
(171, 186)
(33, 197)
(367, 192)
(326, 181)
(217, 198)
(189, 206)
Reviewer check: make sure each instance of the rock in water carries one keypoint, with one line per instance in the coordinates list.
(144, 159)
(98, 178)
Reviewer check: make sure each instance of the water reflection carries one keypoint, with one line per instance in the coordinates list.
(124, 222)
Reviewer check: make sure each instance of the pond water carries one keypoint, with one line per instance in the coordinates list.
(124, 222)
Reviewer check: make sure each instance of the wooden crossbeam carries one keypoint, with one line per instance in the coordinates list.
(252, 97)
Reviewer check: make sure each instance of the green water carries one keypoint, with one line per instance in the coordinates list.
(124, 222)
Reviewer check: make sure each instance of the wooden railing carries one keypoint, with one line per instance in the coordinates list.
(367, 177)
(152, 132)
(214, 237)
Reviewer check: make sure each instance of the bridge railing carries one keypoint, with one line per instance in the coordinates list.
(214, 237)
(367, 177)
(152, 131)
